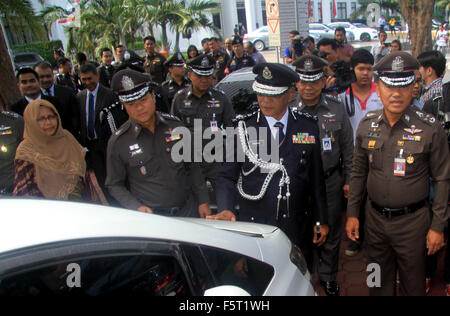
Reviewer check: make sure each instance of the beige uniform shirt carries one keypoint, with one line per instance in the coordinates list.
(396, 163)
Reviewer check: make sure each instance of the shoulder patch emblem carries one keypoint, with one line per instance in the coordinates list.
(10, 114)
(244, 117)
(427, 118)
(299, 114)
(170, 117)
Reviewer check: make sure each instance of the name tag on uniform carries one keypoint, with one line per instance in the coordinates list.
(326, 144)
(400, 167)
(187, 104)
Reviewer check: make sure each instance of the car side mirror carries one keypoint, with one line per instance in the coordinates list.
(226, 290)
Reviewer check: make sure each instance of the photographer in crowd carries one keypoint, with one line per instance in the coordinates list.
(338, 71)
(288, 51)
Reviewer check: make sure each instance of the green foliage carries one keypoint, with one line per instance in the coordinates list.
(386, 5)
(136, 46)
(44, 49)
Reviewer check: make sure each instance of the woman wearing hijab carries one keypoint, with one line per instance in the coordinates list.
(49, 162)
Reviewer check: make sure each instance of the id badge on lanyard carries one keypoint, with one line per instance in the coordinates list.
(400, 165)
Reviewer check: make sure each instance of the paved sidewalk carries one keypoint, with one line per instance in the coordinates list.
(352, 273)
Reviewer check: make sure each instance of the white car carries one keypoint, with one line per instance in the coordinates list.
(259, 38)
(73, 249)
(323, 31)
(361, 32)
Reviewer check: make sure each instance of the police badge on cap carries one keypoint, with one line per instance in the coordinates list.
(273, 79)
(131, 85)
(202, 65)
(310, 68)
(397, 69)
(176, 60)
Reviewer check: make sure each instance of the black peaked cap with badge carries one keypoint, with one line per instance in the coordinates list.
(397, 69)
(202, 65)
(131, 85)
(310, 68)
(237, 40)
(176, 60)
(273, 79)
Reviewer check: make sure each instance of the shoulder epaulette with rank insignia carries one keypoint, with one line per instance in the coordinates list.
(300, 114)
(332, 98)
(371, 115)
(244, 117)
(425, 117)
(10, 115)
(123, 128)
(170, 117)
(219, 91)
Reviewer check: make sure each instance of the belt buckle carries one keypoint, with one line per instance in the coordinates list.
(387, 212)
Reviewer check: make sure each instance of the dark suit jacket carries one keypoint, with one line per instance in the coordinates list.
(63, 109)
(69, 103)
(96, 156)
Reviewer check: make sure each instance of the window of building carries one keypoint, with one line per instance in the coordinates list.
(353, 7)
(216, 20)
(342, 10)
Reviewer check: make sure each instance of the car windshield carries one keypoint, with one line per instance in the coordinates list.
(25, 59)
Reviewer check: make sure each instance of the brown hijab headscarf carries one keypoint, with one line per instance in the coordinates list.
(58, 159)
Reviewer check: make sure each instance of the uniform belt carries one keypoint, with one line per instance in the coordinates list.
(166, 211)
(394, 212)
(331, 171)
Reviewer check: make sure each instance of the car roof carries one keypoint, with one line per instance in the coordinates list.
(37, 222)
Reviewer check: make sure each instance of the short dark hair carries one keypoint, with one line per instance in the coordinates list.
(105, 49)
(81, 57)
(120, 46)
(340, 29)
(309, 39)
(294, 32)
(88, 68)
(361, 56)
(26, 70)
(213, 39)
(434, 59)
(150, 38)
(63, 61)
(382, 32)
(43, 65)
(398, 42)
(327, 42)
(205, 40)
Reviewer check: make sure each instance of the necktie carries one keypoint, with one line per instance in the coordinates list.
(281, 134)
(91, 117)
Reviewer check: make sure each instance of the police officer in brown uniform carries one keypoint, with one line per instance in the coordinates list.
(202, 102)
(141, 173)
(11, 134)
(336, 140)
(220, 57)
(178, 81)
(154, 61)
(397, 151)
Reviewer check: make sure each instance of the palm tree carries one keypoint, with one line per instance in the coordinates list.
(18, 14)
(195, 18)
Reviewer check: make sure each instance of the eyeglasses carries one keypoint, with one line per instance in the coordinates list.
(44, 119)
